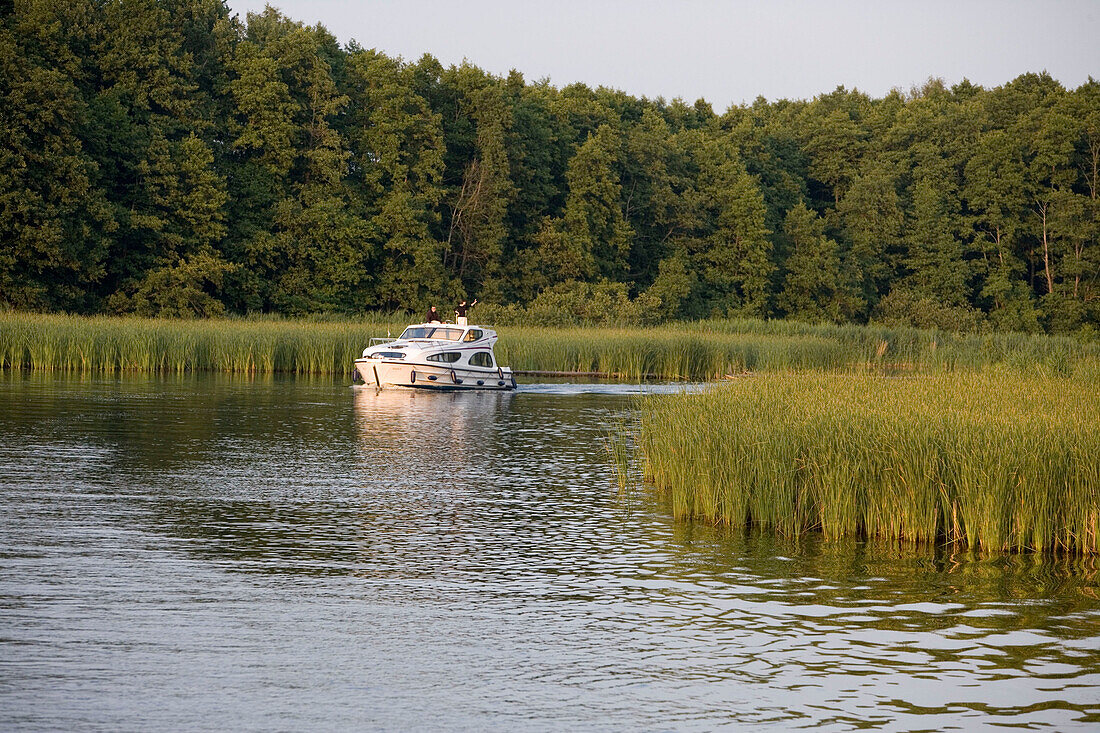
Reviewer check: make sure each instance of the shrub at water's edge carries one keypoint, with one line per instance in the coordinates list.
(697, 350)
(995, 461)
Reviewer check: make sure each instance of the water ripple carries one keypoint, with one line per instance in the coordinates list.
(183, 553)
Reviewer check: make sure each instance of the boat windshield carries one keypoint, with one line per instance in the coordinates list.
(430, 332)
(417, 332)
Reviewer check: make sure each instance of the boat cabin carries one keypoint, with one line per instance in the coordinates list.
(441, 332)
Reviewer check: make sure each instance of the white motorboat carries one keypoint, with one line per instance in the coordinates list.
(440, 356)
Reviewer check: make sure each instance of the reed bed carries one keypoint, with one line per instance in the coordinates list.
(85, 344)
(700, 350)
(992, 460)
(903, 348)
(666, 352)
(706, 350)
(71, 343)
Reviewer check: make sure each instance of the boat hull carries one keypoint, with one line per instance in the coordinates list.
(386, 374)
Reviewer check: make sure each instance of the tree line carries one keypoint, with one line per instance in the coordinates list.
(163, 157)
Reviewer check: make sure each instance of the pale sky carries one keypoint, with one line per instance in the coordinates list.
(727, 52)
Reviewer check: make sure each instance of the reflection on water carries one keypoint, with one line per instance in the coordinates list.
(207, 551)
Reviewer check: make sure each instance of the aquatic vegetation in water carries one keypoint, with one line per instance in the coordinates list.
(620, 444)
(993, 460)
(702, 350)
(102, 343)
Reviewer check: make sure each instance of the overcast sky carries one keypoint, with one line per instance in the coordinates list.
(728, 52)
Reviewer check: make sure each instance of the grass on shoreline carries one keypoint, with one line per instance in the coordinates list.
(696, 351)
(993, 461)
(113, 344)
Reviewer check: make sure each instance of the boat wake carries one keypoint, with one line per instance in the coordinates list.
(609, 388)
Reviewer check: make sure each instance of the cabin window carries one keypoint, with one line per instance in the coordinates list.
(389, 354)
(416, 332)
(430, 332)
(448, 357)
(482, 359)
(473, 334)
(447, 334)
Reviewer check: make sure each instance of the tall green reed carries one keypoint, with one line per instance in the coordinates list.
(702, 350)
(81, 344)
(994, 460)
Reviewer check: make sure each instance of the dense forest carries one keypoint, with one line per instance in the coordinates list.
(164, 157)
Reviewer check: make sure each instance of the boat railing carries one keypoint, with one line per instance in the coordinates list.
(381, 340)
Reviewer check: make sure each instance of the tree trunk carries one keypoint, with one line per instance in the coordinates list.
(1078, 254)
(1046, 248)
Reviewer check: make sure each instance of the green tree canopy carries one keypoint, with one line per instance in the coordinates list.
(168, 157)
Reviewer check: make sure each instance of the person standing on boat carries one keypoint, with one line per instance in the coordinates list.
(460, 312)
(433, 316)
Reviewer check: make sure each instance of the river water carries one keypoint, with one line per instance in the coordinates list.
(206, 552)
